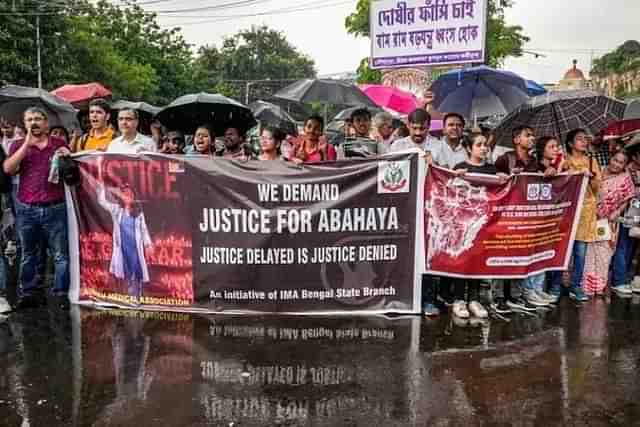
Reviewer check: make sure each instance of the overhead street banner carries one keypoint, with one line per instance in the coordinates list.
(477, 227)
(192, 233)
(413, 33)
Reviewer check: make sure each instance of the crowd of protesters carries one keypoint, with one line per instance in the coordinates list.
(34, 156)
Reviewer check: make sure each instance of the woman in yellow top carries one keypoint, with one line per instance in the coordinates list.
(578, 161)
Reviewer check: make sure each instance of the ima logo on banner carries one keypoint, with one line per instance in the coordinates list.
(537, 192)
(394, 177)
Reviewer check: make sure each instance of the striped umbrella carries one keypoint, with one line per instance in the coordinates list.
(556, 113)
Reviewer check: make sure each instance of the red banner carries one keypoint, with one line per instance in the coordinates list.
(478, 227)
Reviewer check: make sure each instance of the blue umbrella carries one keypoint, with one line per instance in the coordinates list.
(479, 92)
(535, 89)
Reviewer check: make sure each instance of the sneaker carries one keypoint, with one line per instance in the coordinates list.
(550, 298)
(460, 309)
(623, 290)
(501, 307)
(521, 304)
(477, 310)
(578, 295)
(5, 307)
(536, 300)
(635, 285)
(430, 310)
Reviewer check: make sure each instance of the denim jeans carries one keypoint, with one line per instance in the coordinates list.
(579, 257)
(533, 283)
(36, 224)
(554, 278)
(623, 258)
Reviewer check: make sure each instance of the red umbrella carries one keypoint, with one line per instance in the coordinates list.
(391, 97)
(80, 95)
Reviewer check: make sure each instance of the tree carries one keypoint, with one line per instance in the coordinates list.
(18, 47)
(502, 40)
(259, 53)
(121, 46)
(366, 75)
(148, 62)
(625, 58)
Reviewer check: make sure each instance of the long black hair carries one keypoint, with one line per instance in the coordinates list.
(570, 139)
(137, 206)
(541, 145)
(277, 134)
(212, 137)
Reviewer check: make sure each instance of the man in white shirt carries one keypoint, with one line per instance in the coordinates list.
(448, 151)
(131, 141)
(419, 124)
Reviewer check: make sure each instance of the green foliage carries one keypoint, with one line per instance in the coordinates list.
(625, 58)
(368, 76)
(18, 46)
(358, 22)
(121, 46)
(502, 40)
(256, 54)
(226, 89)
(149, 63)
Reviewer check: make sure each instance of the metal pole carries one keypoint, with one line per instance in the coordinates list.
(38, 50)
(246, 95)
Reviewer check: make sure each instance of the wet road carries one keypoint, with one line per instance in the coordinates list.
(570, 366)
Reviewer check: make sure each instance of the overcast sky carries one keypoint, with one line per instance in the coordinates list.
(560, 29)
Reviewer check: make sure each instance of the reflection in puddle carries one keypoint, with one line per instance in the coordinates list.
(127, 368)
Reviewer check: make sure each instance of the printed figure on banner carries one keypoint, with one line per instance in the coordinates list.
(131, 251)
(457, 213)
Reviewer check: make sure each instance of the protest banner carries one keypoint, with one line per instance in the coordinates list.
(427, 33)
(476, 227)
(192, 233)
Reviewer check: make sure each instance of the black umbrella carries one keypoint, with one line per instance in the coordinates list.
(346, 113)
(146, 113)
(556, 113)
(14, 100)
(269, 114)
(298, 111)
(189, 111)
(632, 111)
(142, 107)
(326, 91)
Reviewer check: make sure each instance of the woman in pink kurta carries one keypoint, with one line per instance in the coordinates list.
(616, 190)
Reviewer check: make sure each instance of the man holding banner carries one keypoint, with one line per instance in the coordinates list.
(419, 122)
(40, 206)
